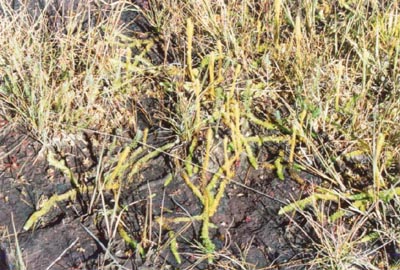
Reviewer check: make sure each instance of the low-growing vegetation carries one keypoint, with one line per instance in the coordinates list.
(219, 82)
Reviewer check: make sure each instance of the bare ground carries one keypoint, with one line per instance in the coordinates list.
(73, 235)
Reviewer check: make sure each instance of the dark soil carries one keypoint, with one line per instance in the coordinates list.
(248, 226)
(74, 236)
(25, 180)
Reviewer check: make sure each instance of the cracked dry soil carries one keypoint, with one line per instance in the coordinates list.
(73, 234)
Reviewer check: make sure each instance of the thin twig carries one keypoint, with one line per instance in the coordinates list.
(20, 261)
(258, 192)
(103, 247)
(62, 253)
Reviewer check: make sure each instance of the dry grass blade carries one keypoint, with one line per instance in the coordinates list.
(307, 90)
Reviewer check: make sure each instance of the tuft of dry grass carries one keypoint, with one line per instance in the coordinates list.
(320, 77)
(62, 74)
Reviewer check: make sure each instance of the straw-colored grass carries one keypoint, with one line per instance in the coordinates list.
(320, 77)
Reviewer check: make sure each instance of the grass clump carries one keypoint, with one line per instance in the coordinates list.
(319, 79)
(60, 79)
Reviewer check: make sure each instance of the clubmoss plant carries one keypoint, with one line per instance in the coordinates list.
(314, 84)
